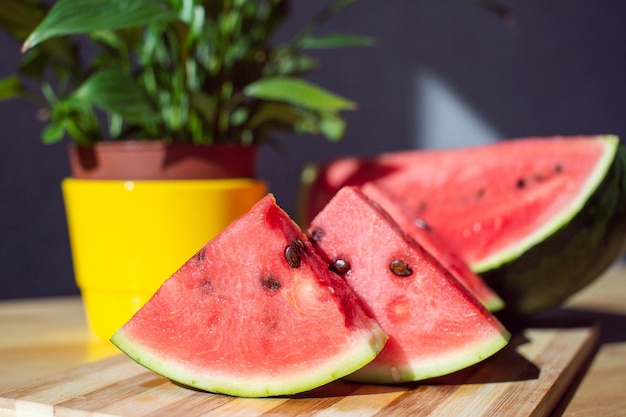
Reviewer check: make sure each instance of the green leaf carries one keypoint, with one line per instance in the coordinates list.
(85, 16)
(239, 116)
(73, 127)
(204, 105)
(332, 126)
(274, 112)
(11, 87)
(53, 133)
(298, 92)
(286, 62)
(116, 92)
(336, 40)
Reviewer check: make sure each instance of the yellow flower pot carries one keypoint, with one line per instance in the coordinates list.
(127, 237)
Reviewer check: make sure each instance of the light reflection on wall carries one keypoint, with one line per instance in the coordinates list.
(442, 119)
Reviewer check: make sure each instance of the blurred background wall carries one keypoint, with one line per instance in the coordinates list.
(444, 73)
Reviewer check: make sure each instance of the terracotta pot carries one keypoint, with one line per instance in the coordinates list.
(155, 160)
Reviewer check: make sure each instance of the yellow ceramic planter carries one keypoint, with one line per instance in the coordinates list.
(127, 237)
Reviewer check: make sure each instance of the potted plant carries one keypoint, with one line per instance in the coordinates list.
(194, 84)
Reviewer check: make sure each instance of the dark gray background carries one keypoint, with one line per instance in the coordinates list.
(444, 73)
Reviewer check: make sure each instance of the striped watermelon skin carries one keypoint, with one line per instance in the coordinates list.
(578, 250)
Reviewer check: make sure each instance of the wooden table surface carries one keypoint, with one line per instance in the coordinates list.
(43, 336)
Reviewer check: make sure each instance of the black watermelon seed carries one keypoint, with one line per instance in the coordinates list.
(317, 235)
(521, 183)
(400, 268)
(300, 244)
(198, 258)
(340, 266)
(558, 168)
(206, 287)
(421, 223)
(292, 255)
(270, 282)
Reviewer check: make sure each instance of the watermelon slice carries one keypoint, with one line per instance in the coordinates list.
(423, 234)
(537, 218)
(435, 325)
(255, 312)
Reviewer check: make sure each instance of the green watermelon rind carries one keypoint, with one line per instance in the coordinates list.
(514, 251)
(364, 349)
(434, 367)
(575, 250)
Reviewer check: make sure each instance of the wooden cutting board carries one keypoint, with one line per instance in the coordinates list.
(527, 378)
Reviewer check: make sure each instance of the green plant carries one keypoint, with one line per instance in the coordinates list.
(198, 71)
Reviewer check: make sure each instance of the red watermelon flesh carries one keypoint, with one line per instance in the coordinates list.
(255, 312)
(432, 243)
(435, 325)
(487, 202)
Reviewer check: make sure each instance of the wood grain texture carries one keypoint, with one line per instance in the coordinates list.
(527, 378)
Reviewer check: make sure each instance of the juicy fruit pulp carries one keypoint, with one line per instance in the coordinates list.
(434, 245)
(435, 325)
(254, 313)
(538, 218)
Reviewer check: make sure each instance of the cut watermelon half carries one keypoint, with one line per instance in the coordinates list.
(254, 313)
(435, 325)
(537, 218)
(426, 237)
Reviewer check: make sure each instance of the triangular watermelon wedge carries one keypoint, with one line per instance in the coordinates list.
(435, 325)
(428, 238)
(255, 312)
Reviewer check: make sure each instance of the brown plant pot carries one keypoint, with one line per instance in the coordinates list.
(156, 160)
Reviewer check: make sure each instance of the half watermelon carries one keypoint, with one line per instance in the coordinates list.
(435, 325)
(538, 218)
(255, 312)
